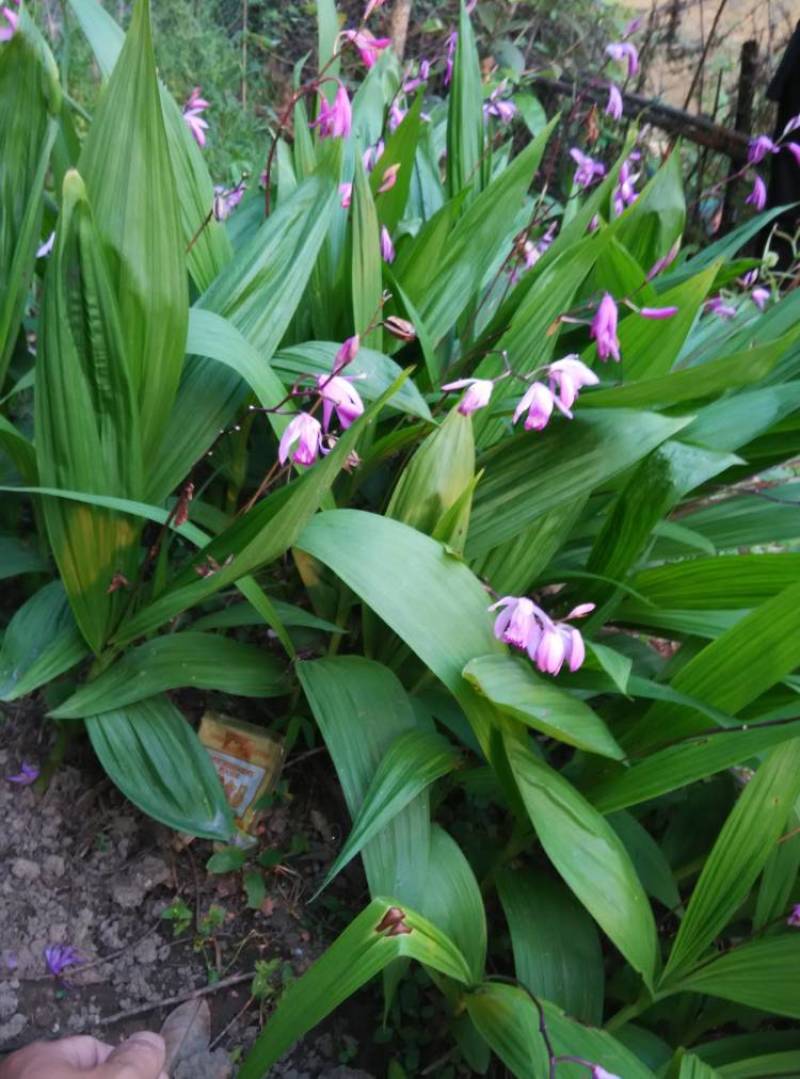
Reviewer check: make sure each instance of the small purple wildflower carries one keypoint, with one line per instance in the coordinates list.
(452, 43)
(658, 312)
(794, 917)
(27, 774)
(60, 956)
(335, 120)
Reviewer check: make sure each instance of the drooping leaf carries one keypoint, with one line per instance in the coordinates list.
(361, 709)
(358, 954)
(155, 758)
(764, 974)
(534, 472)
(451, 899)
(411, 764)
(40, 642)
(589, 855)
(519, 692)
(201, 660)
(366, 281)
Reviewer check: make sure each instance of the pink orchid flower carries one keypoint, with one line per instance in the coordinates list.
(760, 296)
(588, 169)
(367, 45)
(339, 396)
(624, 51)
(347, 353)
(758, 196)
(193, 108)
(389, 179)
(305, 432)
(345, 195)
(567, 378)
(759, 147)
(478, 395)
(658, 312)
(604, 329)
(335, 119)
(615, 105)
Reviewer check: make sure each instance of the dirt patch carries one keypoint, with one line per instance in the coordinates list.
(81, 868)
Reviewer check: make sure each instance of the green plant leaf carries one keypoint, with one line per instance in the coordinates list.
(465, 115)
(678, 765)
(730, 672)
(210, 247)
(40, 642)
(226, 860)
(534, 472)
(557, 952)
(30, 102)
(400, 149)
(87, 430)
(764, 974)
(510, 1021)
(243, 614)
(367, 282)
(199, 660)
(738, 856)
(452, 899)
(519, 692)
(124, 160)
(154, 757)
(588, 854)
(18, 557)
(411, 764)
(362, 709)
(648, 859)
(356, 956)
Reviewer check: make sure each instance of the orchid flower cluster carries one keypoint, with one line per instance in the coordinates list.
(305, 438)
(193, 109)
(524, 625)
(757, 151)
(622, 52)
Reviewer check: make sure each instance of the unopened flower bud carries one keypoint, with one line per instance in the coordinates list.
(400, 328)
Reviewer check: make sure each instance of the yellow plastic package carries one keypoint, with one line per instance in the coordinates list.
(248, 761)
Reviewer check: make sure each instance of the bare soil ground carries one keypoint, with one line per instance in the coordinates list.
(80, 866)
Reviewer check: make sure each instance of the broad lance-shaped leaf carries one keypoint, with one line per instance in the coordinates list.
(157, 761)
(738, 856)
(557, 953)
(588, 854)
(509, 1020)
(516, 690)
(198, 660)
(730, 672)
(679, 765)
(384, 931)
(412, 763)
(87, 430)
(129, 177)
(210, 248)
(361, 709)
(30, 101)
(532, 473)
(258, 292)
(40, 642)
(764, 974)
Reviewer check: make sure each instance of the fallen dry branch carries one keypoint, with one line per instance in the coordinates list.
(697, 129)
